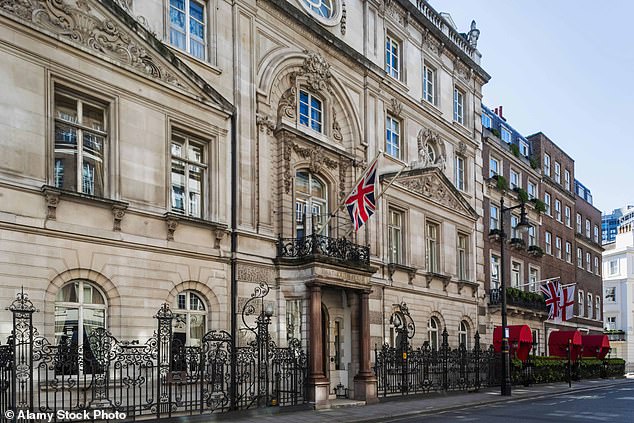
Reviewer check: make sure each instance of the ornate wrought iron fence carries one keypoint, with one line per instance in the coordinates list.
(161, 377)
(406, 370)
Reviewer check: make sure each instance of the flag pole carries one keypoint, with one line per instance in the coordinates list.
(343, 203)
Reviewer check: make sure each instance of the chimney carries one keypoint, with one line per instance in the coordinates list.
(501, 115)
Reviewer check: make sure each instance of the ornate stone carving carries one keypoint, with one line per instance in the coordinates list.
(288, 104)
(396, 107)
(219, 234)
(118, 211)
(316, 71)
(79, 24)
(125, 5)
(473, 35)
(431, 187)
(255, 273)
(287, 148)
(462, 147)
(460, 70)
(317, 158)
(265, 123)
(336, 128)
(52, 200)
(344, 164)
(342, 22)
(431, 150)
(172, 223)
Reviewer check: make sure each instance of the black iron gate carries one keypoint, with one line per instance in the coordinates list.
(161, 377)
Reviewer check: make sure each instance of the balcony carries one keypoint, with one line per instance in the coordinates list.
(323, 248)
(518, 298)
(615, 335)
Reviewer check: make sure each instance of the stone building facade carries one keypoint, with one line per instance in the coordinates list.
(119, 185)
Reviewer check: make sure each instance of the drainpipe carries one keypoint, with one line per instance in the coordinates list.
(233, 260)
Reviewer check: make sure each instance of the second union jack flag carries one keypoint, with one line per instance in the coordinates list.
(552, 295)
(361, 203)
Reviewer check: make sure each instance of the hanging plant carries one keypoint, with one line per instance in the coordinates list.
(515, 149)
(495, 132)
(540, 206)
(534, 162)
(502, 183)
(522, 195)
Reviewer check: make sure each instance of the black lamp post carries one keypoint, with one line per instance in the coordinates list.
(522, 227)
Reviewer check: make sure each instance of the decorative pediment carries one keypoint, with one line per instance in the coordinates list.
(433, 185)
(105, 29)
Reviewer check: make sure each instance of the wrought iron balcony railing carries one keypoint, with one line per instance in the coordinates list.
(519, 298)
(314, 245)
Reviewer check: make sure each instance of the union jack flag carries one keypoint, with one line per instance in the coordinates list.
(552, 295)
(361, 203)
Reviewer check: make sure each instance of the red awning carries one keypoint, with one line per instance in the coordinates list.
(596, 346)
(558, 344)
(520, 340)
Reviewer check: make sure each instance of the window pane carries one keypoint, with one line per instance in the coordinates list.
(178, 185)
(66, 324)
(93, 117)
(195, 190)
(196, 329)
(66, 108)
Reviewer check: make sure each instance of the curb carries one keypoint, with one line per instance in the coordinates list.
(494, 400)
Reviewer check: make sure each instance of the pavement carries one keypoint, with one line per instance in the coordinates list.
(408, 406)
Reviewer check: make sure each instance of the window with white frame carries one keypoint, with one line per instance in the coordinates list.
(486, 121)
(589, 305)
(532, 235)
(567, 216)
(187, 26)
(81, 137)
(547, 203)
(579, 224)
(546, 165)
(495, 222)
(463, 334)
(558, 246)
(516, 274)
(596, 233)
(533, 277)
(610, 294)
(610, 323)
(80, 309)
(532, 190)
(597, 307)
(587, 228)
(568, 252)
(188, 174)
(557, 172)
(494, 167)
(190, 319)
(524, 151)
(549, 243)
(310, 111)
(505, 135)
(432, 244)
(588, 262)
(558, 210)
(495, 271)
(579, 257)
(613, 267)
(395, 236)
(580, 305)
(393, 136)
(392, 57)
(460, 173)
(432, 333)
(311, 204)
(458, 106)
(515, 179)
(462, 250)
(567, 179)
(429, 84)
(596, 266)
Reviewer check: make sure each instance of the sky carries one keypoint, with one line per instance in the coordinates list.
(565, 68)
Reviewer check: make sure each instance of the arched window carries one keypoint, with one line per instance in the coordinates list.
(311, 204)
(463, 334)
(80, 308)
(310, 111)
(432, 331)
(190, 319)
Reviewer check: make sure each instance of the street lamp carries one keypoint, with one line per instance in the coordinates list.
(521, 227)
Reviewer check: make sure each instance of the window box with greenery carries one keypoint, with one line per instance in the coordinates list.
(540, 206)
(499, 182)
(495, 132)
(534, 163)
(535, 251)
(515, 150)
(495, 234)
(517, 243)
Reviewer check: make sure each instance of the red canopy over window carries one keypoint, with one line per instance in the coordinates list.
(596, 346)
(520, 340)
(558, 344)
